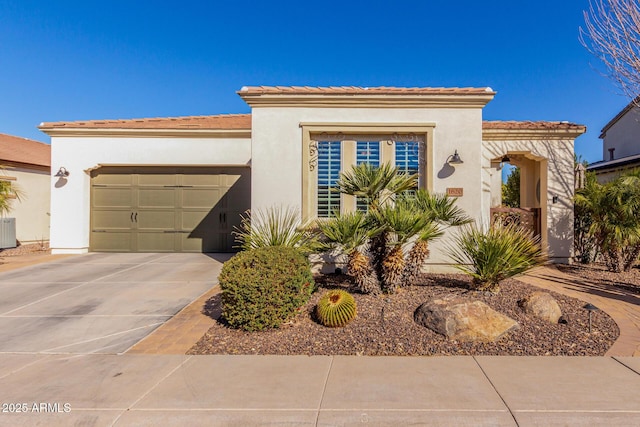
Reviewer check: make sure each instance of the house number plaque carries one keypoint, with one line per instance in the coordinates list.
(454, 192)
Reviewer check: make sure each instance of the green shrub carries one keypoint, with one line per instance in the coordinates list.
(496, 254)
(336, 308)
(263, 287)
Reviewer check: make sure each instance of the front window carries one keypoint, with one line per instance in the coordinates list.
(328, 173)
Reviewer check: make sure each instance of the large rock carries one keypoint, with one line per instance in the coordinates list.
(464, 320)
(542, 305)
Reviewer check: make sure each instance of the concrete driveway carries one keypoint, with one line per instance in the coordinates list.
(98, 302)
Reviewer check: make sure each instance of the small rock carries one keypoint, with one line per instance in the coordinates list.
(542, 305)
(464, 320)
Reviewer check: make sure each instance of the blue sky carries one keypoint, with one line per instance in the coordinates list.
(81, 60)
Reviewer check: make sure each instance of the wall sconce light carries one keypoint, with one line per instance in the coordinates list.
(455, 159)
(554, 199)
(505, 159)
(62, 173)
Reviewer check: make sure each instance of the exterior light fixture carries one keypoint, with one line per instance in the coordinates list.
(505, 159)
(590, 308)
(62, 173)
(455, 159)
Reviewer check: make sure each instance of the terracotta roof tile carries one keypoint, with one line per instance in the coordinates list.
(355, 90)
(222, 122)
(22, 150)
(528, 125)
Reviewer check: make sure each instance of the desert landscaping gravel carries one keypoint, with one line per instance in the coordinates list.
(384, 326)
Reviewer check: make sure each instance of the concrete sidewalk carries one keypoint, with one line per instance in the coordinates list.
(173, 390)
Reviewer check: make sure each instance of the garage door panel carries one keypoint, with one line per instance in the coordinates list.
(156, 179)
(201, 180)
(112, 197)
(111, 219)
(156, 219)
(201, 197)
(103, 178)
(213, 242)
(156, 198)
(155, 242)
(112, 241)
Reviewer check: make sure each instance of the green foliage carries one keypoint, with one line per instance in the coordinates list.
(614, 211)
(9, 191)
(375, 184)
(336, 308)
(498, 253)
(274, 227)
(440, 208)
(263, 287)
(511, 189)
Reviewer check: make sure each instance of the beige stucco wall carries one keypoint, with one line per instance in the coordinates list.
(277, 153)
(623, 136)
(70, 204)
(556, 163)
(32, 210)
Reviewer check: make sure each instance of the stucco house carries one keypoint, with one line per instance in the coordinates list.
(620, 144)
(27, 163)
(180, 184)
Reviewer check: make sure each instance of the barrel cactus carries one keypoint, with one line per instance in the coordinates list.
(336, 308)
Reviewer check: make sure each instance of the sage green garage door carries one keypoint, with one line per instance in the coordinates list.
(162, 209)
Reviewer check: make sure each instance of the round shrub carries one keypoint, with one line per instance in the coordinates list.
(336, 308)
(263, 287)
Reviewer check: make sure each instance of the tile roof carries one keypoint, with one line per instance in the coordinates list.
(222, 122)
(355, 90)
(22, 150)
(528, 125)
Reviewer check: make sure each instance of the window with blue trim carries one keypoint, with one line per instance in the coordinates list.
(408, 157)
(366, 152)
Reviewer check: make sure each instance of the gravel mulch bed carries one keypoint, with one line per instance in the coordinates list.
(31, 248)
(626, 280)
(384, 326)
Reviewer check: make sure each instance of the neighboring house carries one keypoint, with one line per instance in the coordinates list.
(180, 184)
(620, 145)
(28, 164)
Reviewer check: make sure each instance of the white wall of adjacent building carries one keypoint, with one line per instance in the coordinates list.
(32, 210)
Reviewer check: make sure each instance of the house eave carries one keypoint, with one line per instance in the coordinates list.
(367, 101)
(145, 133)
(531, 134)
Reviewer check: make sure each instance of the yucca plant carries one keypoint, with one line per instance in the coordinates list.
(336, 308)
(275, 226)
(495, 254)
(350, 234)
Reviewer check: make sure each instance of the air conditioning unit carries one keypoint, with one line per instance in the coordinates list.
(7, 233)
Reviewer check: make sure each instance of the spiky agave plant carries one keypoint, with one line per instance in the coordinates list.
(350, 233)
(275, 226)
(495, 254)
(401, 224)
(336, 308)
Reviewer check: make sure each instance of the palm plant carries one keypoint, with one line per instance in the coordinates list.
(275, 226)
(401, 224)
(500, 252)
(614, 210)
(441, 212)
(376, 185)
(8, 191)
(350, 233)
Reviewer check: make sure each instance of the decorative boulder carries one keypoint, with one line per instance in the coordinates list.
(542, 305)
(464, 320)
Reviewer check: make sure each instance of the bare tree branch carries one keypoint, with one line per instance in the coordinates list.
(612, 34)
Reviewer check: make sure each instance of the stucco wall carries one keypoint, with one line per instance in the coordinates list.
(70, 215)
(277, 153)
(32, 211)
(557, 170)
(624, 136)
